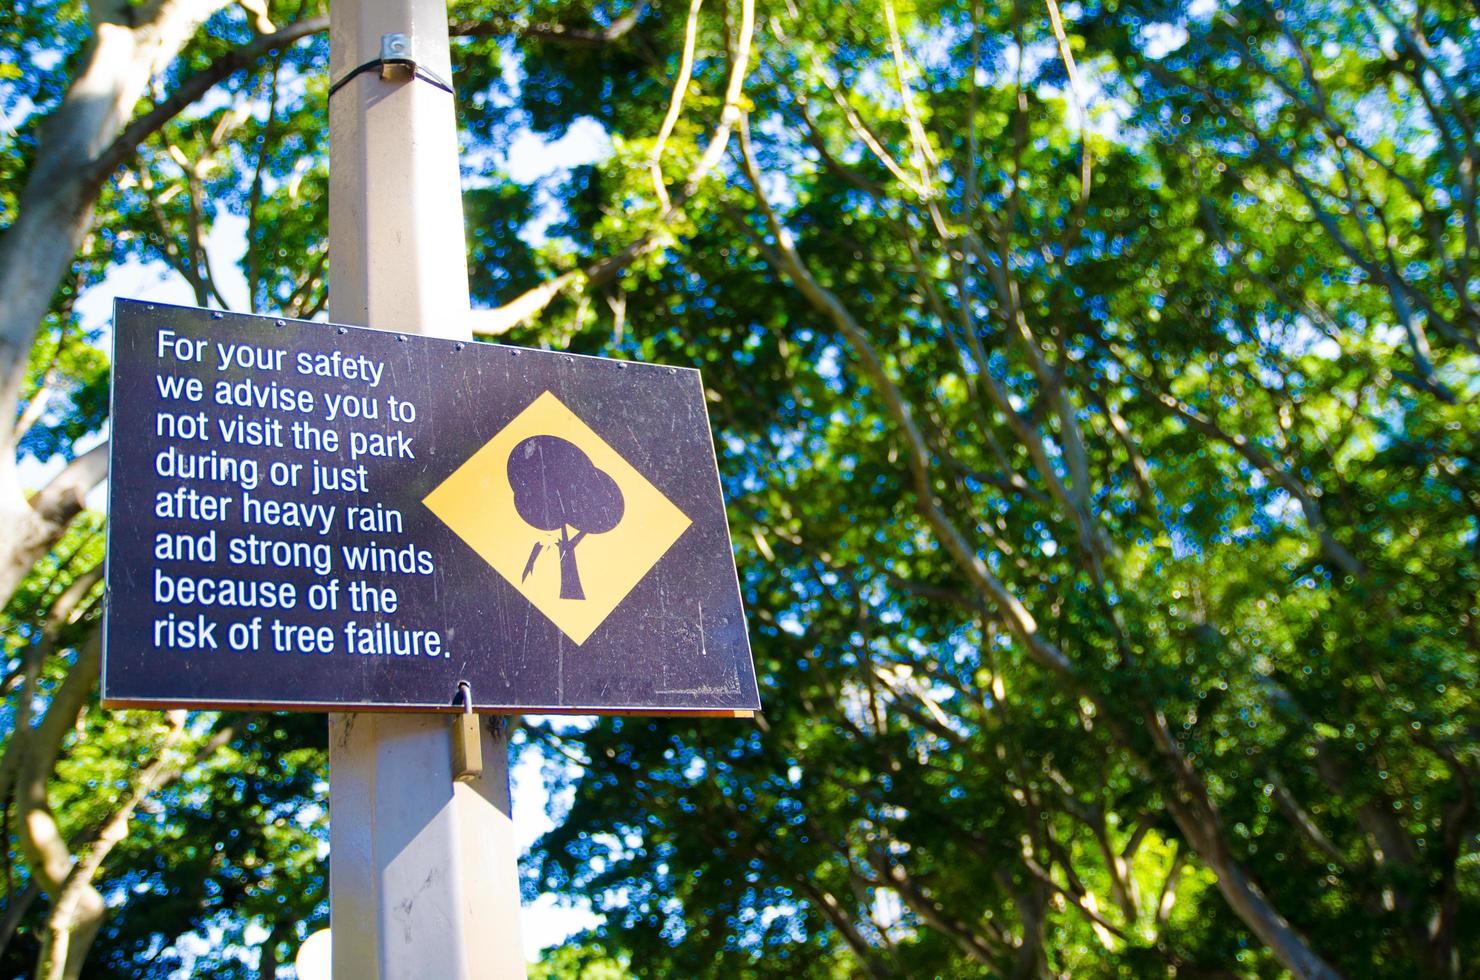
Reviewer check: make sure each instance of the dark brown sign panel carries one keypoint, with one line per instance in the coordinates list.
(305, 515)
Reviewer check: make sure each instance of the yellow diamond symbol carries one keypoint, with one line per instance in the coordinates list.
(560, 515)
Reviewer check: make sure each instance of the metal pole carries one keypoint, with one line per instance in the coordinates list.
(424, 879)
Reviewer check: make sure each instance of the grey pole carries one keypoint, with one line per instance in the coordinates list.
(424, 880)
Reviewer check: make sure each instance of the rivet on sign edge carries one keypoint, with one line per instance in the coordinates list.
(459, 345)
(342, 330)
(282, 323)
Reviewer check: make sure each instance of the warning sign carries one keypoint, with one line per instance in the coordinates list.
(560, 515)
(305, 515)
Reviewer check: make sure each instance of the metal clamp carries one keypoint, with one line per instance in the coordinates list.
(395, 57)
(394, 64)
(467, 742)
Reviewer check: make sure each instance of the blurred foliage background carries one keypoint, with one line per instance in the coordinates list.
(1095, 388)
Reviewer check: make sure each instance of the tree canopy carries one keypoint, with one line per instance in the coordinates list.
(1096, 393)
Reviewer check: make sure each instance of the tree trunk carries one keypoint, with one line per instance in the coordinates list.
(38, 835)
(131, 42)
(34, 526)
(570, 573)
(1251, 905)
(69, 935)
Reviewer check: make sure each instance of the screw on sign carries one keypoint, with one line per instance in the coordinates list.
(556, 488)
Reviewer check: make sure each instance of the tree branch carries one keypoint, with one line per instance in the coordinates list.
(492, 323)
(196, 86)
(555, 33)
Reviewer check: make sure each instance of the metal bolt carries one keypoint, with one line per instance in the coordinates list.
(395, 46)
(342, 330)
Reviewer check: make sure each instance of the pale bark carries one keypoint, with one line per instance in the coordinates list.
(35, 525)
(82, 141)
(37, 833)
(77, 906)
(129, 45)
(77, 911)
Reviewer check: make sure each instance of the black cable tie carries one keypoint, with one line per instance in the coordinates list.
(417, 71)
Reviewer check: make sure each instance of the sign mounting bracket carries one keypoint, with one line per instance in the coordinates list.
(395, 64)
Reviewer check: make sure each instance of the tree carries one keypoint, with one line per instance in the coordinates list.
(556, 488)
(1095, 391)
(1066, 469)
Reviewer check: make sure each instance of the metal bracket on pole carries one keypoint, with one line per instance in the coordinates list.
(396, 62)
(467, 746)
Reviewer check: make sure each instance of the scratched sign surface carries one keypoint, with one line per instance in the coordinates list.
(305, 515)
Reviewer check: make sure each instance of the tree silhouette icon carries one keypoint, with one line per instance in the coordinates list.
(558, 488)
